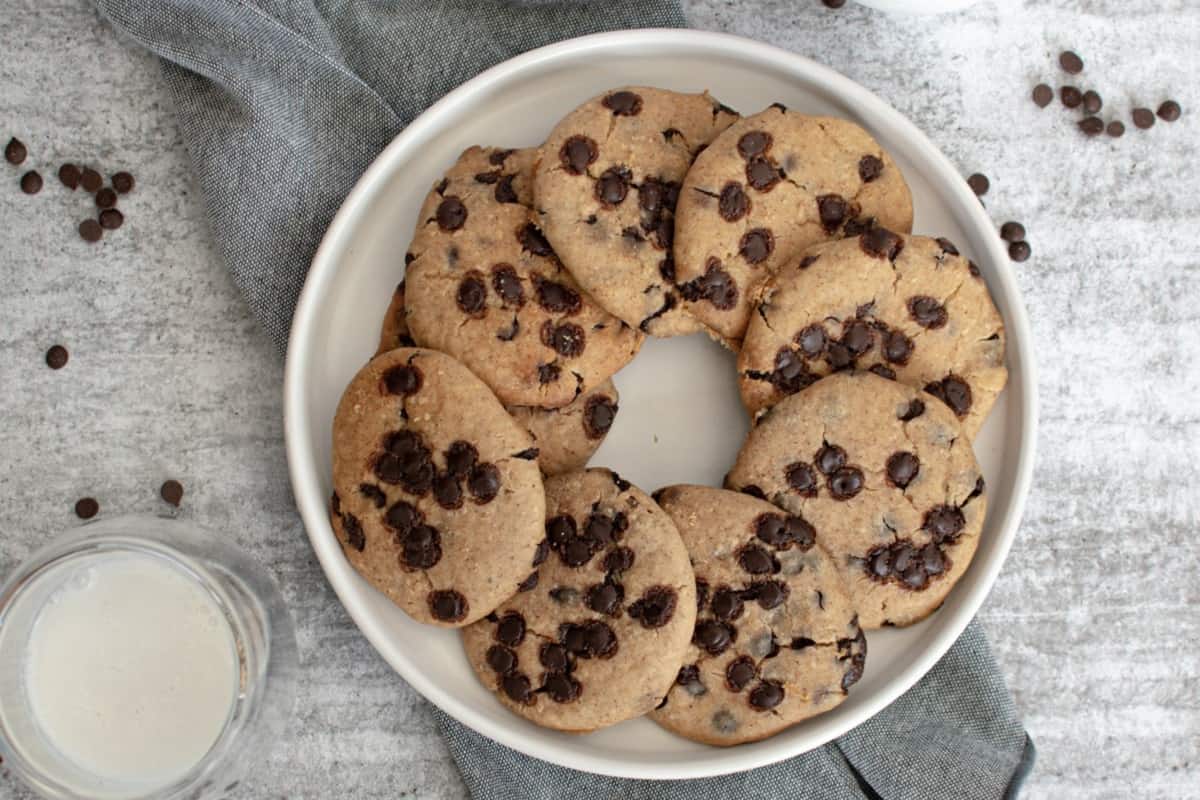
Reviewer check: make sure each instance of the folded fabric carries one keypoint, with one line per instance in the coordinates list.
(282, 105)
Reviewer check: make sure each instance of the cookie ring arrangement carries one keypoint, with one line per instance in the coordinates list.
(867, 359)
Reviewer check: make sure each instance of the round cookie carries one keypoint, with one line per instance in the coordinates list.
(908, 308)
(393, 332)
(437, 498)
(777, 640)
(567, 437)
(606, 185)
(766, 189)
(484, 286)
(887, 479)
(598, 635)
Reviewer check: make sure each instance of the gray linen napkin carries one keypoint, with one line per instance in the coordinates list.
(283, 104)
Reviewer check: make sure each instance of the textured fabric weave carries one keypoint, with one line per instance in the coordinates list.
(283, 104)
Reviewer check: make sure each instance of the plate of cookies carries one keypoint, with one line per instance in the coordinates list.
(664, 389)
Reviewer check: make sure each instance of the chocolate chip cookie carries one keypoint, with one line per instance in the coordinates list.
(606, 185)
(567, 437)
(908, 308)
(484, 286)
(393, 332)
(767, 188)
(598, 632)
(438, 499)
(776, 640)
(885, 475)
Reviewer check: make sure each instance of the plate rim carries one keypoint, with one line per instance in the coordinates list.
(304, 472)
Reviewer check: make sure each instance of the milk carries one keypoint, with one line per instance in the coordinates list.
(131, 669)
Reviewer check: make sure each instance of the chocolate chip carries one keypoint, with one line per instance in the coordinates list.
(914, 409)
(1071, 96)
(946, 245)
(808, 261)
(754, 491)
(447, 605)
(534, 241)
(902, 468)
(756, 245)
(354, 532)
(800, 533)
(1092, 102)
(501, 659)
(553, 657)
(927, 311)
(882, 371)
(1070, 62)
(881, 243)
(755, 560)
(897, 348)
(858, 338)
(655, 607)
(421, 547)
(769, 594)
(598, 416)
(835, 4)
(1092, 126)
(932, 559)
(560, 530)
(106, 198)
(90, 180)
(618, 560)
(733, 204)
(561, 688)
(122, 182)
(869, 168)
(604, 598)
(472, 295)
(403, 380)
(111, 219)
(461, 458)
(15, 151)
(771, 529)
(31, 182)
(484, 483)
(1115, 129)
(1042, 95)
(57, 356)
(1169, 111)
(839, 356)
(613, 185)
(701, 593)
(740, 672)
(1143, 118)
(979, 183)
(944, 523)
(1012, 232)
(623, 104)
(90, 231)
(1019, 251)
(954, 392)
(762, 174)
(447, 491)
(599, 528)
(811, 340)
(714, 637)
(69, 175)
(766, 695)
(754, 143)
(689, 673)
(832, 210)
(577, 153)
(511, 630)
(451, 214)
(518, 689)
(368, 490)
(727, 604)
(577, 552)
(830, 458)
(801, 479)
(568, 339)
(557, 298)
(401, 517)
(845, 483)
(86, 507)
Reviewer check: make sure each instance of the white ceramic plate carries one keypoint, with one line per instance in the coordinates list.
(680, 417)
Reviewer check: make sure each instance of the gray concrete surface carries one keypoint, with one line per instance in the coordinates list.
(1095, 617)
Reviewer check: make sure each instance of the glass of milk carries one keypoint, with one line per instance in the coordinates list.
(141, 658)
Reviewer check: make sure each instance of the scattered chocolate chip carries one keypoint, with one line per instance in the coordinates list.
(858, 338)
(86, 507)
(562, 688)
(172, 492)
(979, 184)
(808, 261)
(15, 151)
(111, 219)
(404, 379)
(31, 182)
(655, 607)
(769, 594)
(832, 210)
(881, 243)
(733, 202)
(727, 604)
(106, 198)
(830, 458)
(613, 185)
(471, 296)
(401, 517)
(1071, 96)
(754, 143)
(801, 479)
(927, 311)
(69, 175)
(756, 245)
(618, 560)
(882, 370)
(122, 182)
(90, 180)
(762, 174)
(902, 468)
(1143, 118)
(604, 598)
(755, 560)
(501, 659)
(846, 483)
(1169, 111)
(1012, 232)
(56, 357)
(944, 523)
(447, 605)
(1092, 126)
(689, 673)
(557, 298)
(834, 3)
(577, 153)
(511, 630)
(1071, 63)
(1092, 102)
(517, 688)
(766, 695)
(1019, 251)
(553, 657)
(447, 491)
(812, 340)
(568, 339)
(870, 167)
(1042, 95)
(954, 392)
(623, 104)
(354, 532)
(897, 349)
(1116, 129)
(598, 416)
(713, 636)
(421, 547)
(451, 214)
(90, 230)
(484, 483)
(914, 409)
(740, 672)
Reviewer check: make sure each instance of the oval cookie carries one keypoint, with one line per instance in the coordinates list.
(393, 332)
(908, 308)
(776, 640)
(484, 286)
(438, 500)
(599, 636)
(567, 437)
(767, 188)
(606, 185)
(886, 477)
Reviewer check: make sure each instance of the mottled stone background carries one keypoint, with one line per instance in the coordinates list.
(1096, 617)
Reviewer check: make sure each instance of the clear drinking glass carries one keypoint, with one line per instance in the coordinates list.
(260, 626)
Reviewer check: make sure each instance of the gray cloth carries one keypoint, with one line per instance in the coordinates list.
(283, 104)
